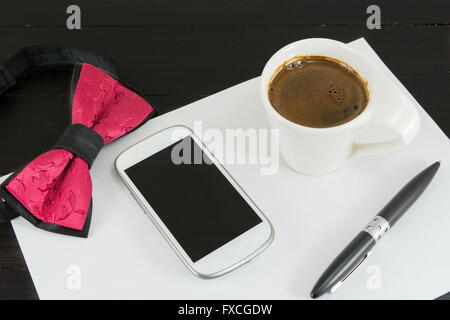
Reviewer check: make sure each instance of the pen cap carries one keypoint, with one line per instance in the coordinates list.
(408, 194)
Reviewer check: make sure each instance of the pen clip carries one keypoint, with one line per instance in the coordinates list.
(338, 284)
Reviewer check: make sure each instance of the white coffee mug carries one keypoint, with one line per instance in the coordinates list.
(316, 151)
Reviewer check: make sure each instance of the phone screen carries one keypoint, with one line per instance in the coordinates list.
(192, 197)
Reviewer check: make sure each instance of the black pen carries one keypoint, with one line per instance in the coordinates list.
(361, 246)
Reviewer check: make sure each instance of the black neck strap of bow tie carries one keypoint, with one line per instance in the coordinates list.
(34, 56)
(6, 212)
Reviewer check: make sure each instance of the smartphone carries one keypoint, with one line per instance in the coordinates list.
(202, 212)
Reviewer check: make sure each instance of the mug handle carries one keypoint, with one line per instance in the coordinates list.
(403, 119)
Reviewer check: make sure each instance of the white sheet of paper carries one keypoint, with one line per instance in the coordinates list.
(314, 218)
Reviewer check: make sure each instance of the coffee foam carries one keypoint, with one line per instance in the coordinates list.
(317, 91)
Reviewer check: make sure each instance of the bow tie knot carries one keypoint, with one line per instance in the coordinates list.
(81, 141)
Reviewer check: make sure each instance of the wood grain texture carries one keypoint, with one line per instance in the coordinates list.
(15, 280)
(223, 12)
(177, 52)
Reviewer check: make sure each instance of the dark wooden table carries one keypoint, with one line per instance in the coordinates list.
(177, 52)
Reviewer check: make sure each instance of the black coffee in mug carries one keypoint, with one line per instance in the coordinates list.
(318, 92)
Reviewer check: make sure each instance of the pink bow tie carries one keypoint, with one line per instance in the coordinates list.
(54, 191)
